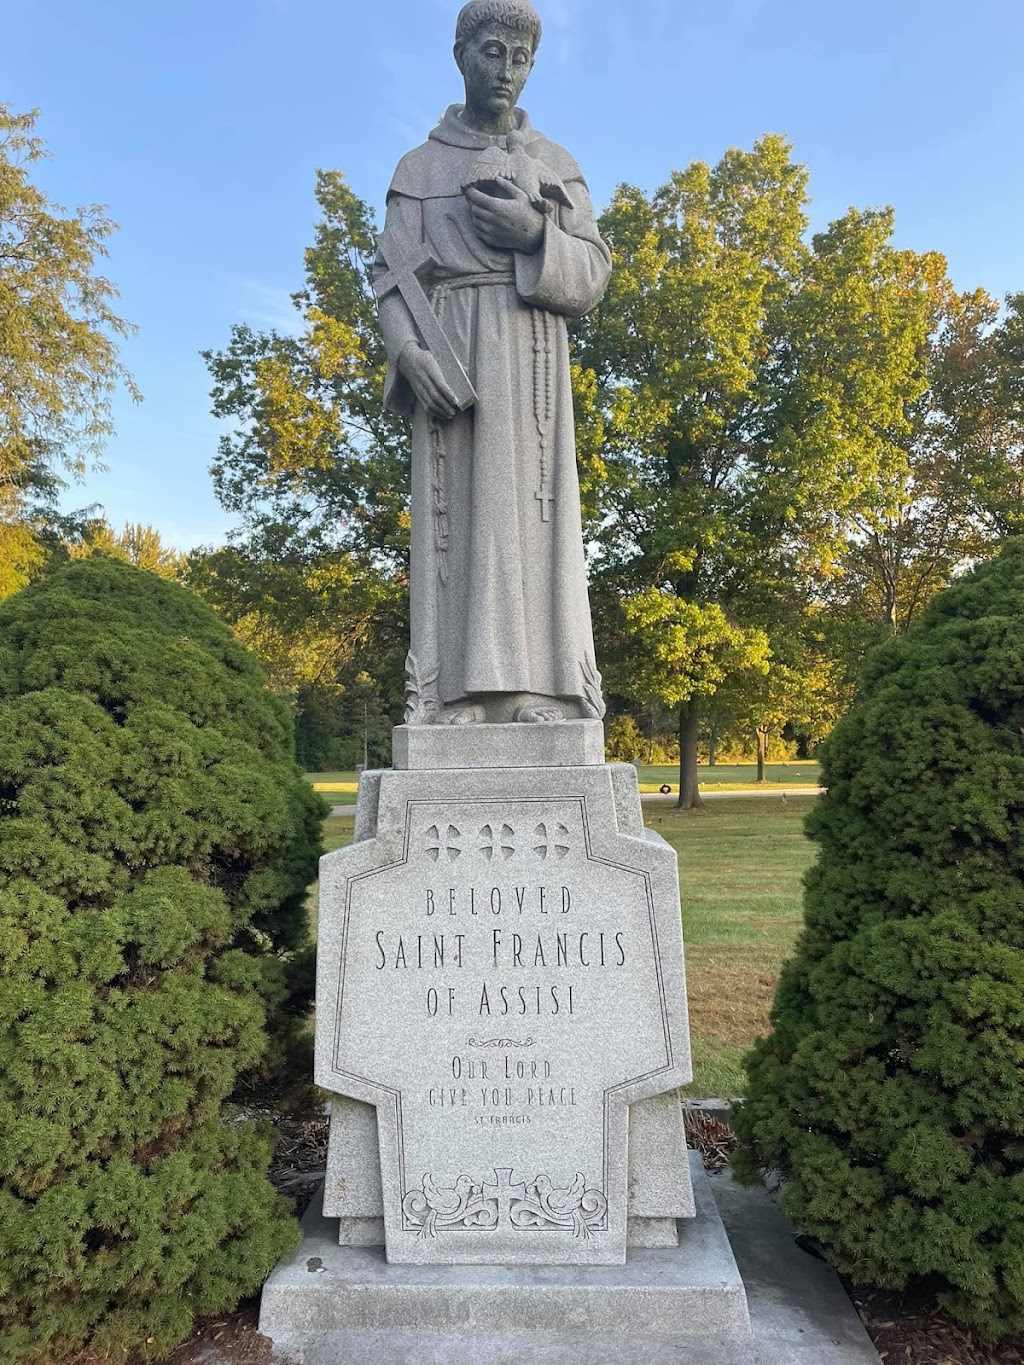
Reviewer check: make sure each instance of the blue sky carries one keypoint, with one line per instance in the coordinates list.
(200, 125)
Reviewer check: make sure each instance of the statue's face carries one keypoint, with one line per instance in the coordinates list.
(494, 63)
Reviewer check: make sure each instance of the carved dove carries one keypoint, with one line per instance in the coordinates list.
(537, 181)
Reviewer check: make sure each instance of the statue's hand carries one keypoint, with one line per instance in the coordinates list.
(428, 383)
(508, 220)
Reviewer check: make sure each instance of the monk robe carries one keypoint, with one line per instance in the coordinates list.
(498, 593)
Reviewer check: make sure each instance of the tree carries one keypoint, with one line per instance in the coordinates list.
(890, 1094)
(678, 654)
(800, 687)
(313, 453)
(624, 742)
(1001, 422)
(318, 620)
(156, 841)
(135, 544)
(58, 346)
(956, 495)
(316, 580)
(931, 521)
(739, 392)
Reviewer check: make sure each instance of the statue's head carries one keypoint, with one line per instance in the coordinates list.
(495, 44)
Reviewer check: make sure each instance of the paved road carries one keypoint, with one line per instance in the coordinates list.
(712, 795)
(672, 796)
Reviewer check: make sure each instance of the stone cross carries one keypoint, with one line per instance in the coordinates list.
(403, 274)
(545, 499)
(503, 1192)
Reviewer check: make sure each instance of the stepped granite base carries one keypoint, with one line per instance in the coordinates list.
(329, 1304)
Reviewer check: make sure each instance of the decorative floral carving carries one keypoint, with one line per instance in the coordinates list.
(437, 1209)
(500, 1042)
(421, 699)
(575, 1209)
(538, 1206)
(593, 698)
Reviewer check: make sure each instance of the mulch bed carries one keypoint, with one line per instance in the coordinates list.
(710, 1134)
(300, 1159)
(233, 1338)
(905, 1330)
(913, 1332)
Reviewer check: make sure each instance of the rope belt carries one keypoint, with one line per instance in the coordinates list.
(482, 278)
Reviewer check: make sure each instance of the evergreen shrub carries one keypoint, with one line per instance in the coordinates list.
(156, 839)
(890, 1094)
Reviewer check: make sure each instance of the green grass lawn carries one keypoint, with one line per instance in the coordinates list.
(740, 869)
(337, 832)
(732, 776)
(740, 865)
(335, 786)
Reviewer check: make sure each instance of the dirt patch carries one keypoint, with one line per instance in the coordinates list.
(233, 1340)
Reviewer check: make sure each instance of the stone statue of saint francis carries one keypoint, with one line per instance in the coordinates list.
(489, 245)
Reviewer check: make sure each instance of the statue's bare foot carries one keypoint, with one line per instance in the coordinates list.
(532, 715)
(460, 715)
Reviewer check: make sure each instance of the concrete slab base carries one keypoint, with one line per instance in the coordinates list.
(800, 1314)
(328, 1304)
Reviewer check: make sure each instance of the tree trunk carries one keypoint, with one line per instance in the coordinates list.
(689, 726)
(892, 619)
(712, 741)
(762, 751)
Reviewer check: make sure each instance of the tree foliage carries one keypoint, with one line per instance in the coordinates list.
(135, 544)
(312, 451)
(740, 391)
(156, 840)
(58, 345)
(332, 635)
(890, 1093)
(787, 444)
(801, 687)
(956, 493)
(316, 580)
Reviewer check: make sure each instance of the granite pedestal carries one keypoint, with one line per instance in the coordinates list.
(501, 1017)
